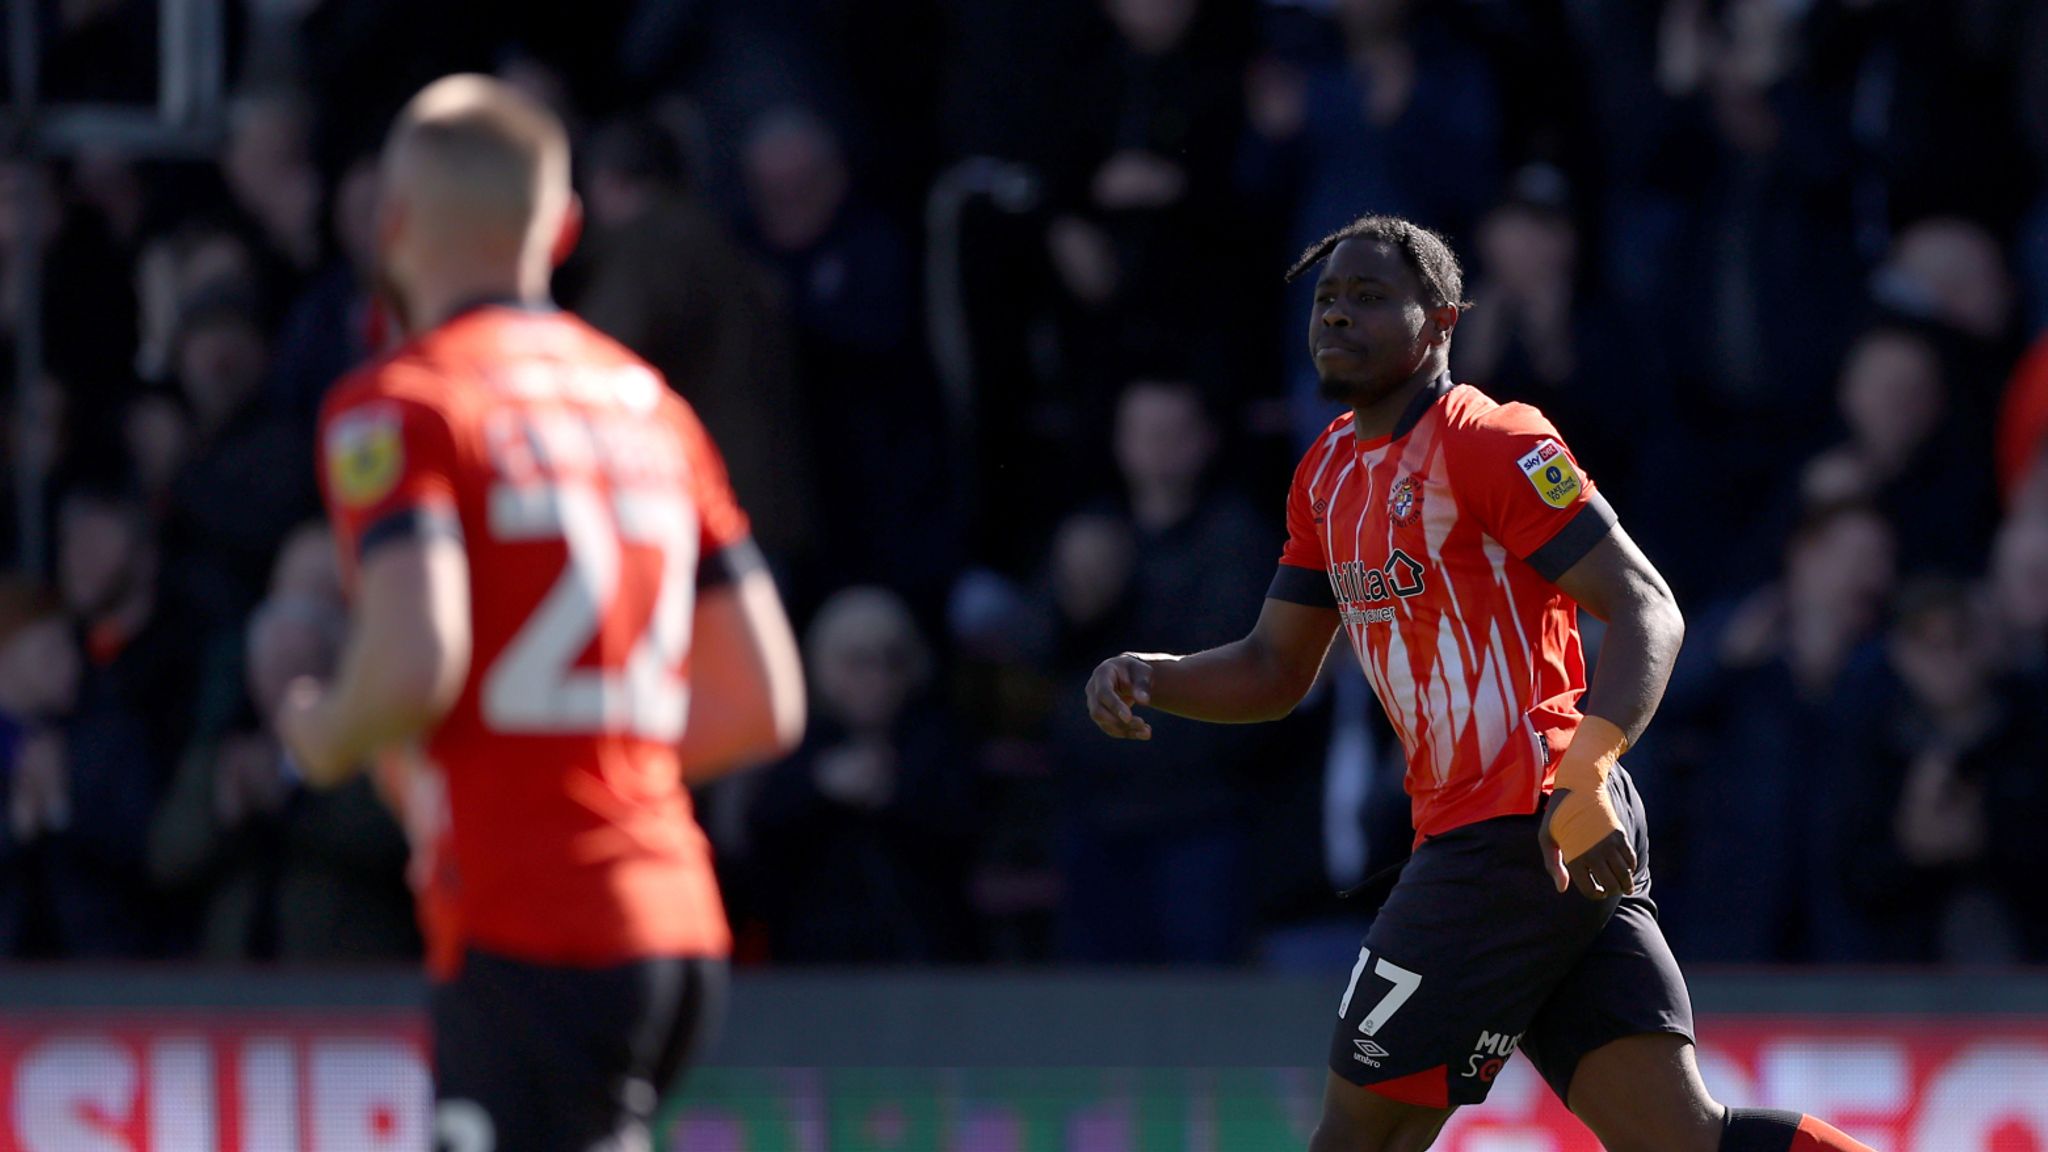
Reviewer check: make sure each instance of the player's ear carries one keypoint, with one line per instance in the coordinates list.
(1444, 318)
(569, 233)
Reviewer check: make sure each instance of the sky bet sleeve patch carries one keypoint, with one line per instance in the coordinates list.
(365, 455)
(1550, 469)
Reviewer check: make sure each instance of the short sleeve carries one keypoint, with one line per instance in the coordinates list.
(387, 469)
(1514, 473)
(1303, 577)
(725, 543)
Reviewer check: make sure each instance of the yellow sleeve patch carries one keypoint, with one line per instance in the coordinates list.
(365, 455)
(1549, 468)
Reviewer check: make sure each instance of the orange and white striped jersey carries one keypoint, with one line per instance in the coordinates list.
(1439, 545)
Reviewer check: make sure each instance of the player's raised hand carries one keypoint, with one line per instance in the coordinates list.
(1607, 868)
(1118, 685)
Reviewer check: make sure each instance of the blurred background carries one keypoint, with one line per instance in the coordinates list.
(982, 300)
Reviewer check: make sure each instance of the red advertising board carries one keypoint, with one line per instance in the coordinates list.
(326, 1082)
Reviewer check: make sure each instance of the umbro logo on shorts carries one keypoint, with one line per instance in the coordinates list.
(1370, 1053)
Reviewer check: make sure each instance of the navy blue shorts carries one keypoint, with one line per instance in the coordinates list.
(529, 1056)
(1477, 954)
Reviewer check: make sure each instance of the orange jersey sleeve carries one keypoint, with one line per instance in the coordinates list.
(1304, 575)
(1515, 474)
(722, 521)
(388, 467)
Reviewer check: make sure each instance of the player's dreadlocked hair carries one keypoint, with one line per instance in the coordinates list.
(1431, 258)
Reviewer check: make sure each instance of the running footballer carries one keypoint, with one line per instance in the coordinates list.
(558, 616)
(1452, 540)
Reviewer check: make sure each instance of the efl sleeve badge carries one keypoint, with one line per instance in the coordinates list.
(365, 455)
(1549, 467)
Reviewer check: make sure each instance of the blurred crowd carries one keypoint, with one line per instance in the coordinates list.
(982, 300)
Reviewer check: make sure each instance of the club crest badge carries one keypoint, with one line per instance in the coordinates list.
(1404, 502)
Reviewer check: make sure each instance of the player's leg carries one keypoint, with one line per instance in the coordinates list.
(1455, 966)
(1360, 1120)
(693, 1026)
(483, 1083)
(1615, 1040)
(621, 1035)
(1644, 1093)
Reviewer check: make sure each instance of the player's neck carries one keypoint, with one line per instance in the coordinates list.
(462, 289)
(1378, 418)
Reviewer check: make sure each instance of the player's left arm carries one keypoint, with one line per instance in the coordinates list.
(1583, 837)
(404, 665)
(749, 705)
(1514, 472)
(752, 707)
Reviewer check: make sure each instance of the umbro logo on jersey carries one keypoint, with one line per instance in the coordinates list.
(1369, 1053)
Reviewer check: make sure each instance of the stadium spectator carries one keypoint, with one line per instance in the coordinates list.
(39, 670)
(268, 166)
(1903, 425)
(664, 276)
(156, 430)
(1536, 334)
(1751, 709)
(1760, 295)
(107, 574)
(247, 481)
(80, 786)
(328, 328)
(1144, 225)
(193, 259)
(1401, 86)
(1400, 116)
(861, 838)
(88, 304)
(279, 872)
(1939, 795)
(845, 274)
(1951, 271)
(1151, 837)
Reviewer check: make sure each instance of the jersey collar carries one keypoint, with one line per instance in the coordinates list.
(1413, 414)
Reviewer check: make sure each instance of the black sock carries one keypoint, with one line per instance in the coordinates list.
(1759, 1130)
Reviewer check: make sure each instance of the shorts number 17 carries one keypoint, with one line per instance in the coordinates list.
(1404, 984)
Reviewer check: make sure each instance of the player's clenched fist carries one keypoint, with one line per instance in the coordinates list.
(1582, 836)
(1606, 868)
(1118, 684)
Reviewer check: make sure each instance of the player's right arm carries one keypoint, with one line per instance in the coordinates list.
(1261, 677)
(388, 462)
(751, 707)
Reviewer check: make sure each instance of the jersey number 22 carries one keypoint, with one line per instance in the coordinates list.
(536, 686)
